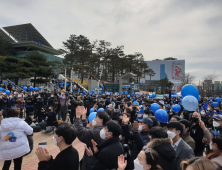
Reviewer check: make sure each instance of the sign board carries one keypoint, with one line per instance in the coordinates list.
(139, 93)
(159, 96)
(126, 86)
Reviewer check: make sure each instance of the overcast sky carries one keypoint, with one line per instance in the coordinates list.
(185, 29)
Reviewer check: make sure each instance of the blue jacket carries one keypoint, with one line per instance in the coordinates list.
(11, 102)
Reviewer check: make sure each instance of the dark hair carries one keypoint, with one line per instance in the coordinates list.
(155, 122)
(176, 117)
(152, 158)
(186, 123)
(128, 110)
(218, 140)
(12, 113)
(158, 132)
(31, 113)
(100, 105)
(114, 127)
(103, 115)
(175, 125)
(68, 132)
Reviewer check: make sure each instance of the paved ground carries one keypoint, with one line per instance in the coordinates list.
(30, 162)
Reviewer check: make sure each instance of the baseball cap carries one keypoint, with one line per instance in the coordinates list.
(146, 120)
(217, 117)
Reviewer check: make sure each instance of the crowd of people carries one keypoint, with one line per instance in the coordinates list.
(123, 134)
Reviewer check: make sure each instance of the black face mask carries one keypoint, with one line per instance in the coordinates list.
(194, 119)
(217, 110)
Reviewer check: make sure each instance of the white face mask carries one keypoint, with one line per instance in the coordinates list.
(52, 96)
(62, 93)
(139, 115)
(15, 92)
(171, 134)
(103, 134)
(140, 128)
(145, 116)
(19, 96)
(94, 123)
(39, 97)
(137, 165)
(203, 113)
(32, 117)
(208, 109)
(210, 146)
(216, 124)
(54, 141)
(10, 96)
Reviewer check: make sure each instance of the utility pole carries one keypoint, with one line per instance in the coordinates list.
(65, 79)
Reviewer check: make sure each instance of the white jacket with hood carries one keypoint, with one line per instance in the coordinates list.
(13, 138)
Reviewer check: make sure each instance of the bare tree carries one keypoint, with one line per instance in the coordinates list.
(187, 78)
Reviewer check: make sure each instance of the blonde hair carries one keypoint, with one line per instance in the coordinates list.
(198, 164)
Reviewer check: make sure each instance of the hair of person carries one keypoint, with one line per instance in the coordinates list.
(114, 127)
(51, 106)
(175, 125)
(152, 158)
(31, 113)
(12, 113)
(100, 105)
(155, 122)
(176, 117)
(186, 123)
(128, 110)
(218, 140)
(68, 132)
(103, 115)
(158, 132)
(198, 163)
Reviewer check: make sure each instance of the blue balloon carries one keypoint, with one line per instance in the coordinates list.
(176, 108)
(36, 88)
(100, 109)
(132, 94)
(61, 86)
(21, 86)
(154, 107)
(93, 92)
(1, 88)
(84, 92)
(54, 88)
(57, 84)
(190, 103)
(218, 100)
(61, 81)
(128, 96)
(215, 104)
(88, 91)
(153, 95)
(136, 103)
(162, 116)
(126, 92)
(121, 93)
(40, 88)
(81, 94)
(13, 83)
(190, 90)
(92, 116)
(31, 88)
(4, 82)
(7, 92)
(25, 88)
(99, 92)
(91, 110)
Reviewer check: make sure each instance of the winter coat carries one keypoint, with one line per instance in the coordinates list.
(108, 154)
(13, 138)
(139, 140)
(85, 135)
(167, 155)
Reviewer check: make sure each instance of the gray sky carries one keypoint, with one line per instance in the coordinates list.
(185, 29)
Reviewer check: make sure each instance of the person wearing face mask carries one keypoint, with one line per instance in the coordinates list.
(216, 147)
(204, 117)
(20, 104)
(139, 136)
(51, 120)
(64, 105)
(183, 150)
(39, 106)
(147, 159)
(218, 110)
(86, 134)
(210, 111)
(29, 104)
(68, 157)
(186, 135)
(217, 122)
(198, 132)
(108, 151)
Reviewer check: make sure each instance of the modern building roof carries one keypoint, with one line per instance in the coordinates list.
(26, 32)
(5, 36)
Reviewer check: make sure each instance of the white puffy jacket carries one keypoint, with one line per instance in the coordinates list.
(13, 138)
